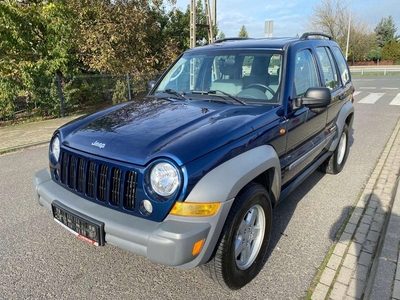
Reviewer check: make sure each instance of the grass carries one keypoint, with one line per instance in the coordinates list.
(320, 271)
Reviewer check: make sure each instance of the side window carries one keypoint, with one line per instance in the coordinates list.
(305, 74)
(343, 68)
(226, 67)
(274, 69)
(328, 68)
(247, 64)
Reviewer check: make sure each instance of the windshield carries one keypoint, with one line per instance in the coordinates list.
(251, 76)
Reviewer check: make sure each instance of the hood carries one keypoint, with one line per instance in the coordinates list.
(152, 128)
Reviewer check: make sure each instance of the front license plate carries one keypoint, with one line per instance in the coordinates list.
(84, 227)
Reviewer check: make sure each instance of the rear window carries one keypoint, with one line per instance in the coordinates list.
(328, 68)
(343, 68)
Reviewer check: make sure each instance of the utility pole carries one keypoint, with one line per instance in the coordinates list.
(214, 12)
(192, 23)
(211, 21)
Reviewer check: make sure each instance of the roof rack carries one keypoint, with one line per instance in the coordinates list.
(230, 39)
(306, 35)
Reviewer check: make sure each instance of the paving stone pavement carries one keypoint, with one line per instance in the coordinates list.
(363, 264)
(24, 135)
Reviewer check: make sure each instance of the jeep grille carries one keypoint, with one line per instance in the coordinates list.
(97, 181)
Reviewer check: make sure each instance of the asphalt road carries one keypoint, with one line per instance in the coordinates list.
(41, 260)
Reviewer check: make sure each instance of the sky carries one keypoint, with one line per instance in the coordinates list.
(289, 16)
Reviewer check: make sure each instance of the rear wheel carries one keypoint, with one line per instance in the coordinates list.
(240, 255)
(335, 163)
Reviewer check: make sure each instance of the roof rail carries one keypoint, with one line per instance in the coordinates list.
(230, 39)
(306, 35)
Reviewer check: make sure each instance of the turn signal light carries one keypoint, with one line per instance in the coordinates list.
(197, 247)
(191, 209)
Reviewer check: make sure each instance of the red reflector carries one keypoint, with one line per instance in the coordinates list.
(91, 242)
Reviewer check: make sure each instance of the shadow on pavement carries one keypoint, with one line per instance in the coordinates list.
(362, 234)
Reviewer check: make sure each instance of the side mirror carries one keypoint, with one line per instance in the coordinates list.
(150, 85)
(315, 97)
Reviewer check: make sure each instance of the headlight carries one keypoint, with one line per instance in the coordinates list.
(164, 179)
(55, 148)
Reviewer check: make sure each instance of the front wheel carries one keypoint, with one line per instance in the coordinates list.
(240, 255)
(335, 163)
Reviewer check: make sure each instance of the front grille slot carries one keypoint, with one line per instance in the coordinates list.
(91, 175)
(102, 183)
(108, 184)
(64, 159)
(130, 187)
(71, 172)
(80, 181)
(115, 191)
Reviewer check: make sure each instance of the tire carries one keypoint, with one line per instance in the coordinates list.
(251, 210)
(335, 163)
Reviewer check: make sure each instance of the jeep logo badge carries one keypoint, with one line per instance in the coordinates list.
(97, 144)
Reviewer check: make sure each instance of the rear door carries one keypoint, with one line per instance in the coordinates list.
(336, 77)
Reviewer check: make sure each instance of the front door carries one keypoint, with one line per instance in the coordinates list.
(306, 127)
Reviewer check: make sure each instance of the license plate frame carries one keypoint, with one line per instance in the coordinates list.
(82, 226)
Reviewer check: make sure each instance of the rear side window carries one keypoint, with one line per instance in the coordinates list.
(343, 68)
(328, 68)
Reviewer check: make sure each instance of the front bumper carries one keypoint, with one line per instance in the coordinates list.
(169, 242)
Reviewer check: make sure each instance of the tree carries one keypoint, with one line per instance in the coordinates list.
(221, 35)
(39, 39)
(178, 28)
(375, 54)
(35, 44)
(360, 45)
(330, 16)
(391, 51)
(243, 32)
(385, 31)
(114, 36)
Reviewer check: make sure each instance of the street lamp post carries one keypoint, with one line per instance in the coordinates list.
(348, 29)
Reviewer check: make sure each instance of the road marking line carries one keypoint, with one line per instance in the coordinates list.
(396, 100)
(371, 98)
(367, 88)
(388, 88)
(356, 93)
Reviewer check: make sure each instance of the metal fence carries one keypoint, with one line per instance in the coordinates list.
(385, 71)
(59, 96)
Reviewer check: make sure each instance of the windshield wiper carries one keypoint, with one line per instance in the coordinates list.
(214, 92)
(175, 93)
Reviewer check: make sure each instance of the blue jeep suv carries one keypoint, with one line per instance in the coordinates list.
(189, 175)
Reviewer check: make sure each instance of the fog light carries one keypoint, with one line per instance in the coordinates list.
(146, 208)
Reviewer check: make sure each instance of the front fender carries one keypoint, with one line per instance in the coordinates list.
(225, 181)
